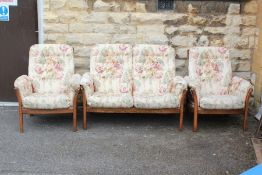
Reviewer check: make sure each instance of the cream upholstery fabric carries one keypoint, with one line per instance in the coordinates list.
(110, 100)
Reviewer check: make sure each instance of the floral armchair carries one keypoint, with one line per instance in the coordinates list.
(214, 89)
(51, 85)
(123, 79)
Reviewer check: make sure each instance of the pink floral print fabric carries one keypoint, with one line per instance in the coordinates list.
(153, 69)
(212, 67)
(111, 68)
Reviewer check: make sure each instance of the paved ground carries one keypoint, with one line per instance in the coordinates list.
(124, 144)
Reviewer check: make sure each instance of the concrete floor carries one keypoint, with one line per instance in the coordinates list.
(124, 144)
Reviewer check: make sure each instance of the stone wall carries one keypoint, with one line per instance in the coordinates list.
(83, 23)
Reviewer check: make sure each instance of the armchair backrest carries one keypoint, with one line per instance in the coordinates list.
(153, 68)
(111, 68)
(50, 66)
(211, 66)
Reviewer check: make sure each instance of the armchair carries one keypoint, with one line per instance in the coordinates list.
(212, 86)
(51, 87)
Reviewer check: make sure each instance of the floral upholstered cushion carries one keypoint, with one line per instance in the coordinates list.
(211, 66)
(50, 67)
(111, 68)
(156, 101)
(153, 69)
(221, 102)
(48, 100)
(110, 100)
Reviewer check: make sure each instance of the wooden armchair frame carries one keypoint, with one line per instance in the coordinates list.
(198, 110)
(22, 110)
(133, 110)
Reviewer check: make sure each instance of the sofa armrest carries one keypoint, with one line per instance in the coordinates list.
(24, 85)
(74, 82)
(240, 87)
(179, 85)
(88, 84)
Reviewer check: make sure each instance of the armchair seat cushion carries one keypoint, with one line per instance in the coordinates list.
(48, 100)
(221, 102)
(110, 100)
(156, 101)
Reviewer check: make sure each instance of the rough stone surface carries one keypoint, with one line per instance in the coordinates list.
(251, 7)
(125, 144)
(82, 23)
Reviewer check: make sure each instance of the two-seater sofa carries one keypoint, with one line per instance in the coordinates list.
(133, 79)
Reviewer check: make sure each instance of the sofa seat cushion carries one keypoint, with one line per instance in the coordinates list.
(151, 101)
(48, 101)
(110, 100)
(221, 102)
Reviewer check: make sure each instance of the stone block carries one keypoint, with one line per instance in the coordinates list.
(77, 4)
(249, 20)
(55, 28)
(185, 41)
(150, 29)
(234, 8)
(102, 6)
(215, 30)
(87, 38)
(57, 4)
(250, 7)
(50, 17)
(124, 38)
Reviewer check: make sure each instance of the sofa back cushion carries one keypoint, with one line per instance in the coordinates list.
(153, 69)
(212, 67)
(111, 68)
(50, 67)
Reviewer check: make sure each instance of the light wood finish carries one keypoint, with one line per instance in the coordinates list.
(32, 112)
(133, 110)
(198, 110)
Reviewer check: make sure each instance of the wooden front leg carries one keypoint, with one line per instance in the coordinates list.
(20, 110)
(75, 111)
(181, 112)
(84, 110)
(195, 123)
(245, 121)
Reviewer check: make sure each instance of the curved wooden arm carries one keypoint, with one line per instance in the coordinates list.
(194, 94)
(19, 97)
(248, 95)
(75, 96)
(182, 99)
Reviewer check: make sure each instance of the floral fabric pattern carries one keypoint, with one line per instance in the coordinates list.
(111, 68)
(221, 102)
(212, 67)
(168, 100)
(24, 85)
(153, 68)
(50, 67)
(239, 87)
(109, 100)
(48, 101)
